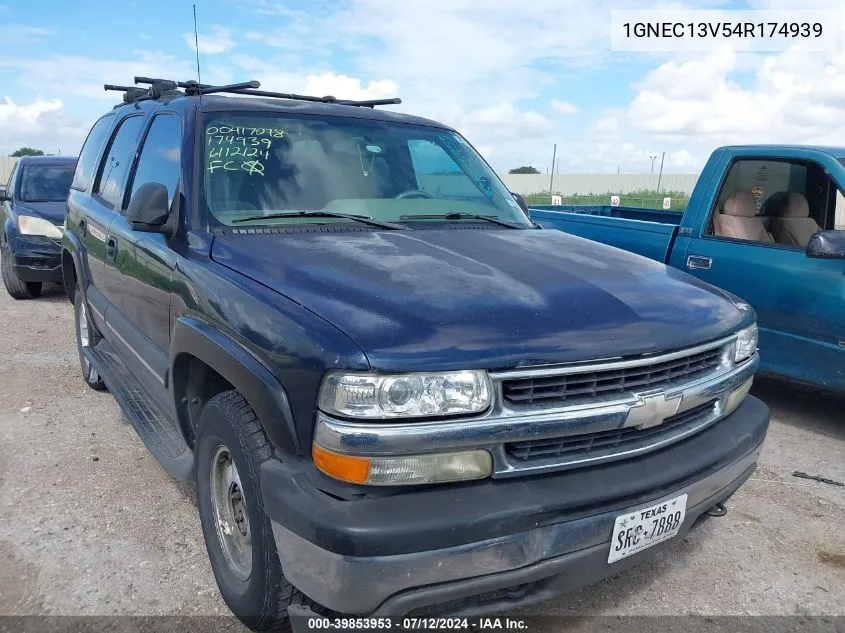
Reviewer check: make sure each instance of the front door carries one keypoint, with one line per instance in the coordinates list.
(139, 272)
(748, 248)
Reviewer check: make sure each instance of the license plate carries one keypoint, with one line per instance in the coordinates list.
(640, 529)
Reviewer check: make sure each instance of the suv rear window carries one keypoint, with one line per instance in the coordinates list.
(46, 183)
(86, 166)
(255, 165)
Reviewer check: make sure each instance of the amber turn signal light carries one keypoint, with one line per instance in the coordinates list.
(344, 467)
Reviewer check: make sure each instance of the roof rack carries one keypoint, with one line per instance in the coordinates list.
(152, 88)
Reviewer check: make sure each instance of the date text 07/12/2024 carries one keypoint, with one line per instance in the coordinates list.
(407, 624)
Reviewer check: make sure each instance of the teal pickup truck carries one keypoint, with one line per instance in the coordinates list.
(764, 222)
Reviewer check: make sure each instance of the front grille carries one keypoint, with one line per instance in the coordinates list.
(573, 448)
(572, 388)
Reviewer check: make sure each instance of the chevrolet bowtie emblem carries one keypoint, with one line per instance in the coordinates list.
(652, 410)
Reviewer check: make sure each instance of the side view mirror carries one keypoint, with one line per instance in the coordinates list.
(148, 209)
(827, 245)
(521, 202)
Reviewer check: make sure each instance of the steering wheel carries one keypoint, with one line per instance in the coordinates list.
(413, 193)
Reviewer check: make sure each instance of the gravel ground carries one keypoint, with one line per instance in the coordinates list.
(93, 526)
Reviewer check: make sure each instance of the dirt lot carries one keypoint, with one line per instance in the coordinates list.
(93, 526)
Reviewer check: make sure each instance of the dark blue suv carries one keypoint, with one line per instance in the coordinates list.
(32, 216)
(392, 390)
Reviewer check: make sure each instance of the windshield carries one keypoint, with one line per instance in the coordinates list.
(46, 183)
(257, 165)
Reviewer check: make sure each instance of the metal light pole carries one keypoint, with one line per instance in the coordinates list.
(552, 177)
(653, 157)
(660, 177)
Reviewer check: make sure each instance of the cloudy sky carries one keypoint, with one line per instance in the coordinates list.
(514, 76)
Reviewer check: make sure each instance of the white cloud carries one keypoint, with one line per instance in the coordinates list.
(78, 76)
(690, 104)
(564, 107)
(218, 41)
(452, 59)
(475, 68)
(345, 87)
(79, 81)
(42, 124)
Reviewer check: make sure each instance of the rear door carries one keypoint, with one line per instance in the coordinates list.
(90, 212)
(138, 273)
(101, 210)
(799, 301)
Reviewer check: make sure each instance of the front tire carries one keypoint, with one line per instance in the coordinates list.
(86, 336)
(230, 448)
(16, 288)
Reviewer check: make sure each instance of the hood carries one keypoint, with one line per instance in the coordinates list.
(444, 299)
(53, 211)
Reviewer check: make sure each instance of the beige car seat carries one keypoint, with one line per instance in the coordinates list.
(795, 226)
(738, 219)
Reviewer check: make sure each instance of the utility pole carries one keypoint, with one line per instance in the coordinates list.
(660, 177)
(552, 177)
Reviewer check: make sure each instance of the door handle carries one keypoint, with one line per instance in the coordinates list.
(111, 248)
(81, 225)
(697, 262)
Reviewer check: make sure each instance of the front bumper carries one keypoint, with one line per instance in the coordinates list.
(524, 539)
(36, 258)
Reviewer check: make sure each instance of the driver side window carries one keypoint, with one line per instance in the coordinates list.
(778, 202)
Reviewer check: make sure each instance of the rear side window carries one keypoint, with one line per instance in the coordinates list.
(87, 165)
(159, 159)
(117, 160)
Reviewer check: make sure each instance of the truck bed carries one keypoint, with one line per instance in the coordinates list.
(648, 232)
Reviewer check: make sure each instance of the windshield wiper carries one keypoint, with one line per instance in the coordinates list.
(364, 219)
(456, 215)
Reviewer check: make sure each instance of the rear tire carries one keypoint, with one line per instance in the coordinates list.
(86, 336)
(16, 288)
(230, 448)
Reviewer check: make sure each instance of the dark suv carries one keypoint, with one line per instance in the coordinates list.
(32, 216)
(393, 392)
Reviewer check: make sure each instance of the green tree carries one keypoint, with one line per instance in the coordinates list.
(28, 151)
(525, 169)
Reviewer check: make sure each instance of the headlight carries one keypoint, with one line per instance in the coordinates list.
(403, 470)
(29, 225)
(746, 343)
(376, 396)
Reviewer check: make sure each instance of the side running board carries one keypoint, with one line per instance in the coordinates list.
(159, 433)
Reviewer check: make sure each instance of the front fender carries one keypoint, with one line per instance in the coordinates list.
(249, 375)
(9, 229)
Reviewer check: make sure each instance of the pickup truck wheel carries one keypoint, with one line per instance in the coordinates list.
(230, 448)
(16, 288)
(86, 336)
